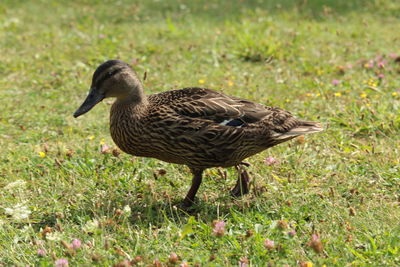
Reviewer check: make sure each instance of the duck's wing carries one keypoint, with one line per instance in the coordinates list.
(224, 129)
(216, 107)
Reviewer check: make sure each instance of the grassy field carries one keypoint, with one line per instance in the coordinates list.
(331, 199)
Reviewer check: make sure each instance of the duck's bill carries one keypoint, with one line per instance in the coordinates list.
(91, 100)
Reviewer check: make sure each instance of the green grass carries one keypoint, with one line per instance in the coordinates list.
(343, 184)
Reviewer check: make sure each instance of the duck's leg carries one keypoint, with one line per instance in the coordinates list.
(242, 184)
(196, 181)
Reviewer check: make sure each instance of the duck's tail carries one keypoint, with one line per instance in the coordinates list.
(305, 127)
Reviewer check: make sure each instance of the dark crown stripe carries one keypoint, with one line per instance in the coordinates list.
(107, 67)
(107, 76)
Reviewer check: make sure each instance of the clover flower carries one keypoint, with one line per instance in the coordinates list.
(41, 252)
(126, 210)
(54, 236)
(91, 226)
(61, 263)
(292, 233)
(269, 244)
(18, 212)
(104, 149)
(335, 82)
(76, 244)
(270, 160)
(18, 184)
(219, 228)
(173, 258)
(244, 262)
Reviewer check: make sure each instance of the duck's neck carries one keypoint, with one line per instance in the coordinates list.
(136, 98)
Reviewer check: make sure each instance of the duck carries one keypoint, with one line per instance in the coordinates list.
(197, 127)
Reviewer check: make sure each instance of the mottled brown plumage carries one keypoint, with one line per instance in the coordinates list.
(196, 127)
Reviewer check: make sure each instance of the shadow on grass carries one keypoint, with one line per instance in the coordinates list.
(160, 211)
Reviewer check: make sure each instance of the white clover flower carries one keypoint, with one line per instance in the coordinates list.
(54, 236)
(18, 184)
(26, 229)
(18, 212)
(127, 210)
(91, 226)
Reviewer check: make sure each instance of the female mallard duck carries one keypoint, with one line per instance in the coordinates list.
(196, 127)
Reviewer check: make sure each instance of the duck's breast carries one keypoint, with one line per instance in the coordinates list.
(125, 131)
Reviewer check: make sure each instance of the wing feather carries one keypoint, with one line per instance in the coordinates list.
(214, 106)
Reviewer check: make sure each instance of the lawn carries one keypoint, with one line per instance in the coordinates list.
(331, 198)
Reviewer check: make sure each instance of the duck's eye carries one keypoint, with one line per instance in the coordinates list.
(107, 76)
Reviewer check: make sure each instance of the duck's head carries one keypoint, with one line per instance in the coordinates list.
(113, 78)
